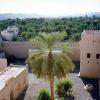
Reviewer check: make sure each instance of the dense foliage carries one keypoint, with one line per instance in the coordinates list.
(73, 26)
(44, 95)
(64, 88)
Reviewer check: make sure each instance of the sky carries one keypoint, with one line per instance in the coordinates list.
(50, 7)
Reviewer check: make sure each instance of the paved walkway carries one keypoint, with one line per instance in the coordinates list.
(36, 85)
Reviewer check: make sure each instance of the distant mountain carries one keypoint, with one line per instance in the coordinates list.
(14, 16)
(23, 16)
(90, 14)
(97, 14)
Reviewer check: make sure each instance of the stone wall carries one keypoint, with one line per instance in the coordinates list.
(75, 50)
(14, 85)
(20, 49)
(19, 86)
(3, 64)
(5, 93)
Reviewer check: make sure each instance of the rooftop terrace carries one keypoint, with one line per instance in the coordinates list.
(9, 74)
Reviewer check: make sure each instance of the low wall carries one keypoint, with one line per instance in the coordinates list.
(5, 93)
(19, 84)
(3, 64)
(14, 86)
(20, 49)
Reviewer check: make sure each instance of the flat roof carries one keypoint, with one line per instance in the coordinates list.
(10, 73)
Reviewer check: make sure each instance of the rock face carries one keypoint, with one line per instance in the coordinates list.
(9, 33)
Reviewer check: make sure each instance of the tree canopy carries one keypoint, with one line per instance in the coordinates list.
(70, 25)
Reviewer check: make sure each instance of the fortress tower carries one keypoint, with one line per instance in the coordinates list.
(90, 54)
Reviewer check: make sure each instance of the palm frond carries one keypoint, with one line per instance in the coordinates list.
(46, 63)
(48, 40)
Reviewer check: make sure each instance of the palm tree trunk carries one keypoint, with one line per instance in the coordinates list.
(52, 89)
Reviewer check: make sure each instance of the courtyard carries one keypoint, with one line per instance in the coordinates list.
(79, 93)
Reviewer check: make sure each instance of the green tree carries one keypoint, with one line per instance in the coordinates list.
(19, 38)
(47, 63)
(75, 37)
(71, 25)
(26, 35)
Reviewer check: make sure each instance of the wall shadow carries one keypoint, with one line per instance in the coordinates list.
(77, 67)
(22, 95)
(94, 82)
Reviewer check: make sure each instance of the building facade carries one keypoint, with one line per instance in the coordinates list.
(9, 33)
(13, 80)
(90, 54)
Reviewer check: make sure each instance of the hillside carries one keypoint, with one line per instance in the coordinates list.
(14, 16)
(23, 16)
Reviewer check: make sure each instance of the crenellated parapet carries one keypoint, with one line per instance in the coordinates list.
(73, 44)
(91, 36)
(87, 32)
(20, 49)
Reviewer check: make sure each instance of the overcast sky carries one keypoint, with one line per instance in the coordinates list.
(49, 7)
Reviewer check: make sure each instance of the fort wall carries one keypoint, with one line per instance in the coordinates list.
(5, 93)
(19, 86)
(20, 49)
(12, 86)
(3, 64)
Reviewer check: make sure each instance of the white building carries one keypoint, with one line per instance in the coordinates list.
(9, 33)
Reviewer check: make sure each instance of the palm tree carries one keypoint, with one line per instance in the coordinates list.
(47, 63)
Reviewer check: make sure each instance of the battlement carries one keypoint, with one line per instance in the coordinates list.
(19, 44)
(20, 49)
(73, 45)
(91, 32)
(32, 45)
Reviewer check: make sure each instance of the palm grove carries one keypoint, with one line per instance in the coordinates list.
(72, 26)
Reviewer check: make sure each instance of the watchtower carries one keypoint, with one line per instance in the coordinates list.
(90, 54)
